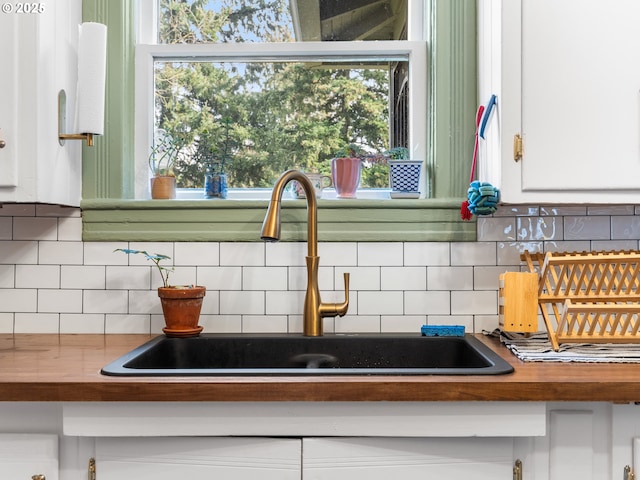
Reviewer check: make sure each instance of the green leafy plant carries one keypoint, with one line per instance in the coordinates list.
(156, 258)
(164, 153)
(397, 153)
(215, 150)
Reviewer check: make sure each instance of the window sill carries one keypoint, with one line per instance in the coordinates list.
(241, 220)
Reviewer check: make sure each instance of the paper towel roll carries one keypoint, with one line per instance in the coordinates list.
(92, 67)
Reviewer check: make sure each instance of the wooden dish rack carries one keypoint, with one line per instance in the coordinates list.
(588, 297)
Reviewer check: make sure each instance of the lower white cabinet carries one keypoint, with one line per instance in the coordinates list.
(195, 458)
(407, 458)
(24, 455)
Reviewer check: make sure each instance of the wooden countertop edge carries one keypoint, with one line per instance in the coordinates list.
(36, 368)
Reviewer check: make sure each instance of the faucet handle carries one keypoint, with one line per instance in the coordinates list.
(333, 309)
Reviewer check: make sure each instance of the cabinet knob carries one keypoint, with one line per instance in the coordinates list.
(38, 477)
(2, 142)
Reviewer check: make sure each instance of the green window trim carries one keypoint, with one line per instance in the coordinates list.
(110, 213)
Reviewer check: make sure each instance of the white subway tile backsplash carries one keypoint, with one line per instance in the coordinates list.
(70, 229)
(358, 324)
(6, 322)
(59, 301)
(127, 323)
(473, 253)
(198, 254)
(211, 323)
(340, 254)
(81, 323)
(102, 253)
(7, 276)
(17, 210)
(360, 278)
(587, 228)
(91, 277)
(625, 227)
(105, 301)
(427, 303)
(18, 300)
(220, 278)
(18, 252)
(449, 278)
(243, 303)
(283, 303)
(264, 278)
(144, 302)
(488, 278)
(51, 281)
(37, 276)
(285, 254)
(125, 278)
(402, 323)
(178, 276)
(6, 228)
(380, 254)
(380, 303)
(35, 228)
(264, 323)
(474, 303)
(496, 229)
(242, 254)
(539, 228)
(403, 278)
(298, 277)
(60, 253)
(427, 253)
(37, 323)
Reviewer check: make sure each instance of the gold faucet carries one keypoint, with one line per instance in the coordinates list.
(314, 309)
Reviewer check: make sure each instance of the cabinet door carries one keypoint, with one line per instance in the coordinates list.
(25, 455)
(8, 101)
(407, 458)
(569, 85)
(195, 458)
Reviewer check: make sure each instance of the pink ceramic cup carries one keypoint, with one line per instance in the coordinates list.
(346, 176)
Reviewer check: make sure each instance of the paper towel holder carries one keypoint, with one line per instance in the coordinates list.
(62, 123)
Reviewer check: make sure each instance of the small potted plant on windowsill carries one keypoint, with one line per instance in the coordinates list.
(404, 174)
(215, 151)
(162, 158)
(181, 304)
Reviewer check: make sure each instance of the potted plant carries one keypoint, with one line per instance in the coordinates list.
(181, 304)
(404, 174)
(346, 168)
(162, 158)
(215, 152)
(345, 171)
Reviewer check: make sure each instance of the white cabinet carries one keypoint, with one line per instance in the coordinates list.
(24, 455)
(407, 458)
(567, 82)
(38, 59)
(195, 458)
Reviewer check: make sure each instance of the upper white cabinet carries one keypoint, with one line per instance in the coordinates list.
(38, 58)
(568, 81)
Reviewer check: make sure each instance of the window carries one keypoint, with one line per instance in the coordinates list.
(307, 114)
(111, 212)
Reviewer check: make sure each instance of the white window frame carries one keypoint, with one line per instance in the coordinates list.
(147, 51)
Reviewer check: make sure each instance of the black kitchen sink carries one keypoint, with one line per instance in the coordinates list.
(290, 354)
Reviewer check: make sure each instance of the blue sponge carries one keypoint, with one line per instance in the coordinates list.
(442, 330)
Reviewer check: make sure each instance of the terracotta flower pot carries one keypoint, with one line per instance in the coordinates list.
(181, 308)
(163, 187)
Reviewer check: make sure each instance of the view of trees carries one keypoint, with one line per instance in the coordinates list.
(256, 120)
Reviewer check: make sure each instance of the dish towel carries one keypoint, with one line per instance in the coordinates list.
(537, 348)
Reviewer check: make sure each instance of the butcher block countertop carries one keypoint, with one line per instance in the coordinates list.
(66, 368)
